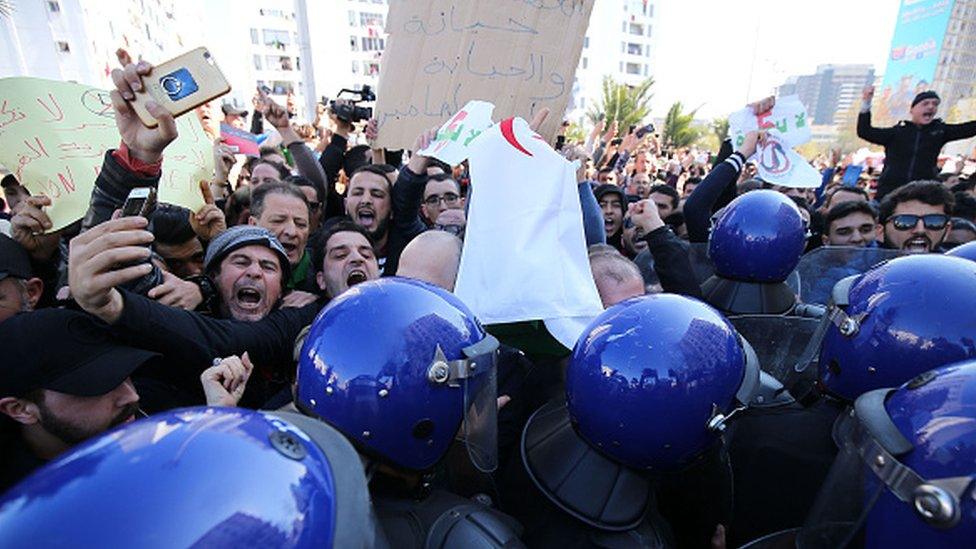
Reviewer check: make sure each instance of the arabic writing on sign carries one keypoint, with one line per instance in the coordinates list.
(440, 54)
(54, 135)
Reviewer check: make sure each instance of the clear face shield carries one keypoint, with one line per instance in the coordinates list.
(867, 469)
(476, 376)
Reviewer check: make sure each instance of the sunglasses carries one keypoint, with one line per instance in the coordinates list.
(932, 222)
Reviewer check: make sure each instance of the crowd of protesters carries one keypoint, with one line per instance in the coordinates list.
(116, 317)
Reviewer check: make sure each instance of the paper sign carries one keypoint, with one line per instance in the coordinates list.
(460, 132)
(246, 142)
(543, 228)
(781, 165)
(787, 119)
(53, 137)
(440, 54)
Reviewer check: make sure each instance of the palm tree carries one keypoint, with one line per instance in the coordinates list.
(678, 129)
(720, 127)
(6, 8)
(627, 105)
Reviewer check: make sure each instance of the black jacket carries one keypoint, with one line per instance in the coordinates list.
(406, 197)
(911, 151)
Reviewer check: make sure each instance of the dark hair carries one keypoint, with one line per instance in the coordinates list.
(259, 193)
(340, 225)
(968, 184)
(801, 203)
(171, 224)
(9, 180)
(264, 150)
(932, 193)
(693, 180)
(237, 203)
(965, 206)
(382, 170)
(668, 190)
(843, 188)
(254, 161)
(443, 177)
(846, 208)
(355, 158)
(302, 181)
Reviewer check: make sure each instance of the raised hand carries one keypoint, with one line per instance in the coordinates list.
(101, 258)
(28, 225)
(146, 144)
(225, 381)
(209, 221)
(418, 163)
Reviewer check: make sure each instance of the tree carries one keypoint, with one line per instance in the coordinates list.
(627, 105)
(720, 127)
(679, 130)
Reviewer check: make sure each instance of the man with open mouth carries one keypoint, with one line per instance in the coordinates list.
(345, 256)
(248, 266)
(369, 205)
(911, 146)
(54, 396)
(915, 218)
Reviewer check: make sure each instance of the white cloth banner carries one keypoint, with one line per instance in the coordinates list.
(459, 133)
(524, 255)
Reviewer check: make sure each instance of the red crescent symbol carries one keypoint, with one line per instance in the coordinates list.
(508, 132)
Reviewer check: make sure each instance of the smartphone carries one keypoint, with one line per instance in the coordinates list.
(181, 85)
(141, 201)
(645, 130)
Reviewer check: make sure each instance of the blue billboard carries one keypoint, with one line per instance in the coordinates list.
(914, 55)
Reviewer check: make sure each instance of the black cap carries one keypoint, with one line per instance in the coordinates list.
(608, 188)
(14, 260)
(929, 94)
(66, 351)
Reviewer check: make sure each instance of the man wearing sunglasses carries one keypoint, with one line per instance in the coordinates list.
(915, 218)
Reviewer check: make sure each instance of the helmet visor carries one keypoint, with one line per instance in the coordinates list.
(480, 427)
(848, 494)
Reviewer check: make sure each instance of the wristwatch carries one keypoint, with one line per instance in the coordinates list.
(211, 297)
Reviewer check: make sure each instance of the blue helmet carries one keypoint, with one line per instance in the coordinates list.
(197, 477)
(905, 475)
(965, 251)
(395, 365)
(652, 380)
(758, 237)
(897, 320)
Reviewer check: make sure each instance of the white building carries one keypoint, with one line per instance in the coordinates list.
(348, 42)
(76, 40)
(264, 43)
(620, 43)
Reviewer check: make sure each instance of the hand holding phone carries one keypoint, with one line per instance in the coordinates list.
(178, 85)
(141, 201)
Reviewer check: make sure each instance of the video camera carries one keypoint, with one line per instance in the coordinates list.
(352, 113)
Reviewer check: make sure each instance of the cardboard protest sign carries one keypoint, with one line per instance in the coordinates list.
(53, 137)
(246, 142)
(787, 119)
(542, 229)
(458, 134)
(779, 164)
(440, 54)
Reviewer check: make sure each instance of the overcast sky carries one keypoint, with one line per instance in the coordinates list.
(706, 47)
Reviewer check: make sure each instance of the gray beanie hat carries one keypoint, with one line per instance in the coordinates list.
(240, 236)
